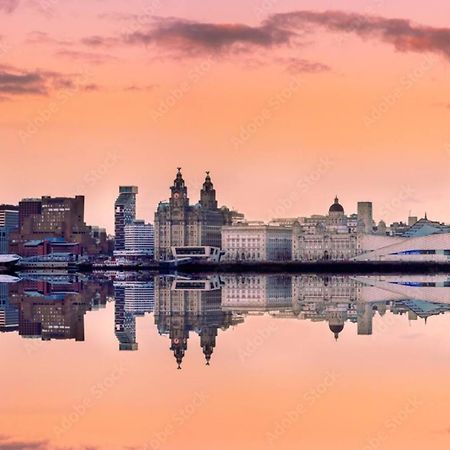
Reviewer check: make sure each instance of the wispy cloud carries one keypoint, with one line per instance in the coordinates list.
(300, 65)
(8, 6)
(40, 37)
(188, 35)
(88, 57)
(9, 443)
(291, 31)
(403, 34)
(19, 82)
(284, 29)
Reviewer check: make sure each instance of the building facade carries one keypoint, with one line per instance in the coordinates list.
(124, 213)
(9, 221)
(178, 224)
(329, 238)
(139, 239)
(57, 219)
(365, 215)
(257, 242)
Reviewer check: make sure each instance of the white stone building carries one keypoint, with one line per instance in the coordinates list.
(257, 242)
(326, 238)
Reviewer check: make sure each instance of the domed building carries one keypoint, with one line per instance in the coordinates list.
(333, 237)
(336, 215)
(336, 209)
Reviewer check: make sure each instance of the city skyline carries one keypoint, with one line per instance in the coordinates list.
(301, 117)
(374, 211)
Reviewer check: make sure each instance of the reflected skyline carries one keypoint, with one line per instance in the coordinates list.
(54, 307)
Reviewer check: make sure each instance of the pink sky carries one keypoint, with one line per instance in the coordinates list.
(284, 110)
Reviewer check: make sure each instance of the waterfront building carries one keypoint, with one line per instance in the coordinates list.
(139, 240)
(431, 248)
(365, 215)
(426, 227)
(9, 315)
(256, 293)
(132, 299)
(9, 221)
(326, 238)
(179, 224)
(253, 242)
(183, 306)
(124, 213)
(55, 218)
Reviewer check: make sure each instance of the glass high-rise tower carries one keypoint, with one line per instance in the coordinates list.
(124, 213)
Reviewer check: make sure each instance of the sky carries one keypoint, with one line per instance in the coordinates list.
(286, 103)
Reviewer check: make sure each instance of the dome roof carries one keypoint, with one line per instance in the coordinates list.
(336, 329)
(336, 206)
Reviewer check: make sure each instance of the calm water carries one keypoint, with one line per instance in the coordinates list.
(251, 362)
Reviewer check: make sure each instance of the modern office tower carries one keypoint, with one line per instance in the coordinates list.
(365, 215)
(139, 239)
(9, 221)
(55, 218)
(124, 213)
(132, 299)
(29, 207)
(9, 315)
(178, 224)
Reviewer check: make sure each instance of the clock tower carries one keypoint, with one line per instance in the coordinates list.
(179, 198)
(208, 194)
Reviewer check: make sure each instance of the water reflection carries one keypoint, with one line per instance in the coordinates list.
(54, 307)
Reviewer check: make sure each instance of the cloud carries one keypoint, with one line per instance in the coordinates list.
(136, 88)
(8, 6)
(99, 41)
(18, 82)
(9, 443)
(299, 65)
(92, 58)
(196, 37)
(286, 29)
(403, 34)
(39, 37)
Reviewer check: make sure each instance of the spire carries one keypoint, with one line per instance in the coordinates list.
(426, 217)
(208, 194)
(179, 197)
(179, 182)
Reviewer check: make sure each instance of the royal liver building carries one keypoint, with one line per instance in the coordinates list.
(177, 223)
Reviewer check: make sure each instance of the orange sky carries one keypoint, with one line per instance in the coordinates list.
(284, 111)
